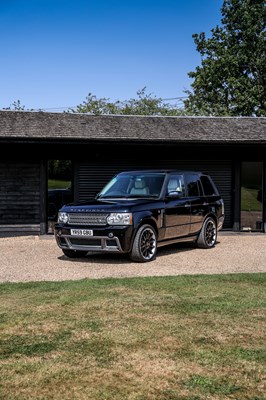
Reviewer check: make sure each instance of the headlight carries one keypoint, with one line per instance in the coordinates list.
(120, 219)
(63, 217)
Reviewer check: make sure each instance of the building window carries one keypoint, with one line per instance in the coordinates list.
(251, 196)
(60, 188)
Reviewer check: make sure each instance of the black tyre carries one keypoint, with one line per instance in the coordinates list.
(74, 253)
(208, 234)
(145, 244)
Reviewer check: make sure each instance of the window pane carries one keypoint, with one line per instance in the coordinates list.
(176, 184)
(192, 185)
(207, 186)
(251, 196)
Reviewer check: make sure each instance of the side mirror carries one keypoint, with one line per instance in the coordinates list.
(174, 194)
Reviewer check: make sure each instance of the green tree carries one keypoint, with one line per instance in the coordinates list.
(60, 169)
(16, 106)
(144, 104)
(232, 77)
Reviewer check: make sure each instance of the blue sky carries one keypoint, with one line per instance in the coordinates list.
(55, 52)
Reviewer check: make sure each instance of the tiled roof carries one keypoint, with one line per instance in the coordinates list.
(62, 126)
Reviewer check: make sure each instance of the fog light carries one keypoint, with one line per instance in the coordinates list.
(110, 235)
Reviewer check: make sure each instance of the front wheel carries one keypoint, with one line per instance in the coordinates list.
(74, 253)
(145, 244)
(208, 234)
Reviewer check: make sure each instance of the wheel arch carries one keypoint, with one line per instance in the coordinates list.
(148, 220)
(213, 216)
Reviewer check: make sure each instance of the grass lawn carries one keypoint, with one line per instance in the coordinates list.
(57, 184)
(161, 338)
(249, 201)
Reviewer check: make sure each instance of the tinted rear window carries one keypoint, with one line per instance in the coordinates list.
(193, 185)
(208, 188)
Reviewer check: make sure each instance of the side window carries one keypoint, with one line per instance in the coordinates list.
(193, 185)
(208, 188)
(176, 185)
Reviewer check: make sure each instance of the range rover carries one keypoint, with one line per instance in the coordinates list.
(139, 211)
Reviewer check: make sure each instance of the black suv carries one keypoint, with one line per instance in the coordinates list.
(138, 211)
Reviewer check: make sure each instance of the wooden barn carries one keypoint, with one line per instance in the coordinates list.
(232, 150)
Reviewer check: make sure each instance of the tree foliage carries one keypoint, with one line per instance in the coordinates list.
(144, 104)
(232, 77)
(60, 169)
(16, 106)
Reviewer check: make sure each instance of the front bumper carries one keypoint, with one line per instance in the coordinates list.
(107, 239)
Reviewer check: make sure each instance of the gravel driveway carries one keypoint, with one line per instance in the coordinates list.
(37, 258)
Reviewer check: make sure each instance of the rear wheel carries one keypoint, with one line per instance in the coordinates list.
(208, 234)
(145, 244)
(74, 253)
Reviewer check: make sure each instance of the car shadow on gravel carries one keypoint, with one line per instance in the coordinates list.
(115, 258)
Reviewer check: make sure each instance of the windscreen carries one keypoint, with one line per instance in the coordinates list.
(134, 185)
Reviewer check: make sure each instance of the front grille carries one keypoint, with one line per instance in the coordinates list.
(85, 242)
(98, 219)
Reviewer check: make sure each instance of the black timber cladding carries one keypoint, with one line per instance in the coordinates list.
(93, 176)
(19, 193)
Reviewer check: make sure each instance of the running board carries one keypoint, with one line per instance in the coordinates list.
(177, 240)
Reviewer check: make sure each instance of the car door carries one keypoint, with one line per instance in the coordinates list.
(199, 205)
(177, 208)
